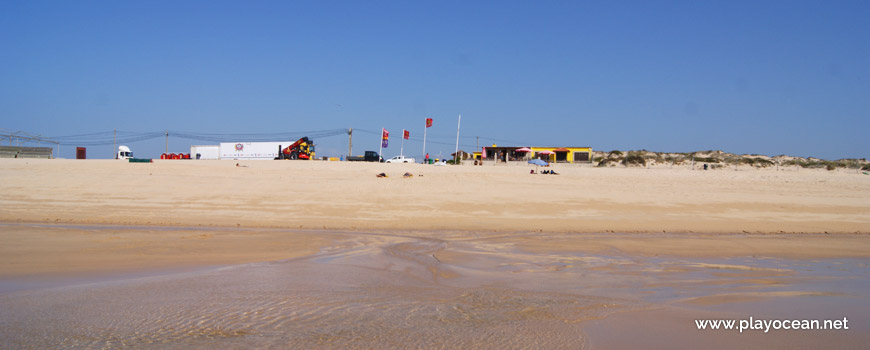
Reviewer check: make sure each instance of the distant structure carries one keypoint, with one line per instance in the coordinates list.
(26, 152)
(571, 155)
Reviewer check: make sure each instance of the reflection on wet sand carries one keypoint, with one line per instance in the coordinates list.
(437, 290)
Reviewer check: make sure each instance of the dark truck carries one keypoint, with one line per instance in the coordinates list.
(370, 156)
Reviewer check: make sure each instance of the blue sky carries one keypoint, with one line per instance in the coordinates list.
(767, 77)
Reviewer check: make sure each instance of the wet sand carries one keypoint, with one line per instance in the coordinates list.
(396, 289)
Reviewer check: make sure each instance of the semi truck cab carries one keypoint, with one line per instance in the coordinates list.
(124, 152)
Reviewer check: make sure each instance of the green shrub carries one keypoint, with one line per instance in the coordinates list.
(706, 160)
(760, 162)
(634, 159)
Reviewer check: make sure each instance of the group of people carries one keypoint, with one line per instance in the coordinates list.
(550, 172)
(407, 174)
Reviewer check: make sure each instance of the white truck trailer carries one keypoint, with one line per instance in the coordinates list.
(251, 150)
(205, 152)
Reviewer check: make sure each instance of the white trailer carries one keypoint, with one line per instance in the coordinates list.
(251, 150)
(205, 152)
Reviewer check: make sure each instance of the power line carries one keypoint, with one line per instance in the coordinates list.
(108, 137)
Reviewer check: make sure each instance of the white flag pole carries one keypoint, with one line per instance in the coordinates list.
(456, 154)
(425, 126)
(381, 144)
(402, 148)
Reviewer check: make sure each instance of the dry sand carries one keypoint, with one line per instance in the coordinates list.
(204, 254)
(340, 195)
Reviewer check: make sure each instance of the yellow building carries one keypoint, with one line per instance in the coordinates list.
(549, 154)
(563, 154)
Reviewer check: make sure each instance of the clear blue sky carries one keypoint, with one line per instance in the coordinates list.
(768, 77)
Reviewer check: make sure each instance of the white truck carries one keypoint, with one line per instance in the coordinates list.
(124, 152)
(400, 159)
(205, 152)
(251, 150)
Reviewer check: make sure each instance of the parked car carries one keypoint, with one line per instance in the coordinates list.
(370, 156)
(400, 159)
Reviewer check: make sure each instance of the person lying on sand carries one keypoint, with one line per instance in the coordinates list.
(382, 175)
(241, 166)
(408, 175)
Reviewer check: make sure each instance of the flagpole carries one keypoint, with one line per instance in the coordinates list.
(425, 126)
(381, 145)
(402, 148)
(456, 154)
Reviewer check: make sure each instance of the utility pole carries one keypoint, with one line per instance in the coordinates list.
(456, 153)
(349, 142)
(114, 142)
(167, 141)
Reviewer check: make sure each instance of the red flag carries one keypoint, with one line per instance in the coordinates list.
(428, 122)
(483, 154)
(406, 133)
(386, 134)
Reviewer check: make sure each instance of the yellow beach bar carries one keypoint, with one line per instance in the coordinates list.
(563, 154)
(549, 154)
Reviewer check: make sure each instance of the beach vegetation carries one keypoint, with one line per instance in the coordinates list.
(757, 162)
(706, 160)
(634, 158)
(607, 161)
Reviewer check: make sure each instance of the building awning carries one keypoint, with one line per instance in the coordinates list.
(561, 150)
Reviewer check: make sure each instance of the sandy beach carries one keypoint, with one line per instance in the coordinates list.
(340, 195)
(268, 254)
